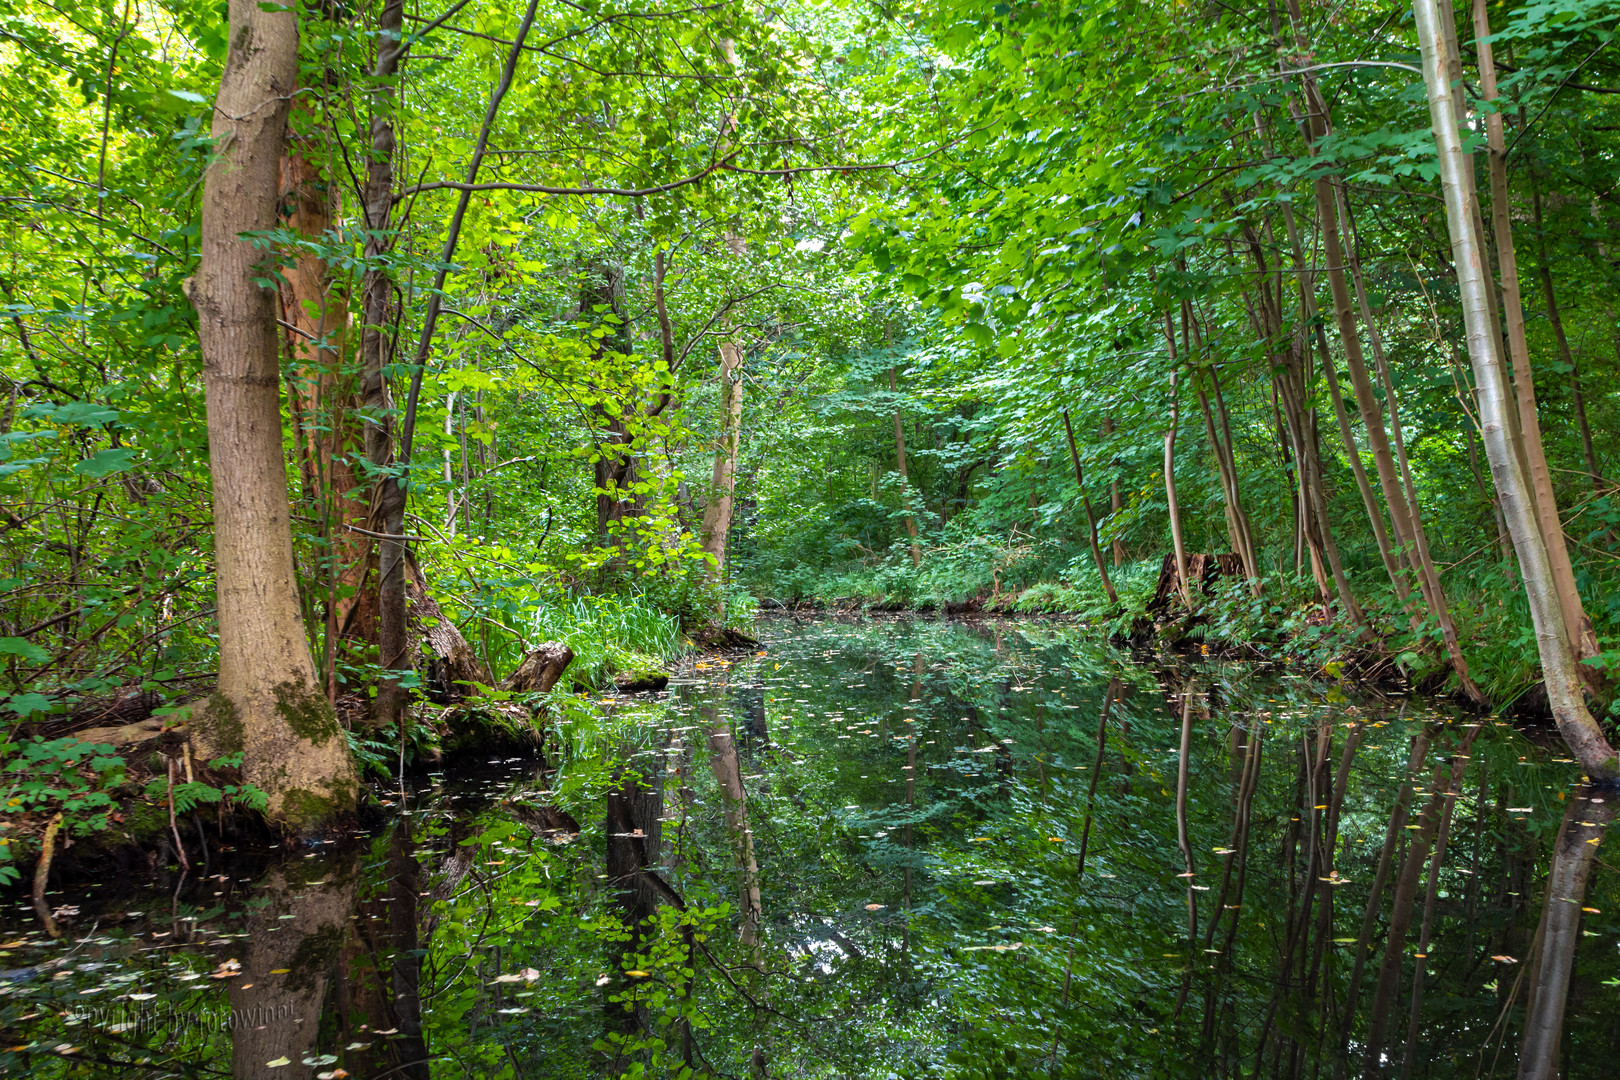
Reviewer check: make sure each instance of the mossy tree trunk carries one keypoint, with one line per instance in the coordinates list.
(269, 704)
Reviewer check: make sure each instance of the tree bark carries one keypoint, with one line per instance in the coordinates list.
(376, 398)
(1091, 522)
(1585, 738)
(905, 478)
(1404, 516)
(1178, 545)
(723, 490)
(1582, 639)
(269, 704)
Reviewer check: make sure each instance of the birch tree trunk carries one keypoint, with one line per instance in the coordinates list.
(269, 705)
(1575, 723)
(717, 514)
(1582, 639)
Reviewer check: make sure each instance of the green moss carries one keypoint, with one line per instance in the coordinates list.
(314, 956)
(221, 716)
(302, 808)
(144, 820)
(307, 713)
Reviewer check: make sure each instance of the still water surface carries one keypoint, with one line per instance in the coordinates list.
(890, 849)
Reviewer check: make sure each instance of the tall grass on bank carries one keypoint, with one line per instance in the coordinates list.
(609, 635)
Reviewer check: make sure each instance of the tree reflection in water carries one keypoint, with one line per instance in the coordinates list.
(892, 848)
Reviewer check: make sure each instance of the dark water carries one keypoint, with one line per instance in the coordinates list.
(981, 851)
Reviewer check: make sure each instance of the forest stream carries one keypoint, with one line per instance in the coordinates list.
(961, 849)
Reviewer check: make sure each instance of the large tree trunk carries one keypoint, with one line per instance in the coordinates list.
(1563, 684)
(269, 704)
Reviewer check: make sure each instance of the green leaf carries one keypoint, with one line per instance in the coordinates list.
(16, 646)
(102, 463)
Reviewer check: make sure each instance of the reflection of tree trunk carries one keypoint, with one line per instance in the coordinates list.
(1444, 781)
(1233, 878)
(727, 769)
(1585, 823)
(1109, 694)
(911, 789)
(634, 836)
(278, 1016)
(1421, 966)
(410, 1048)
(1375, 893)
(1184, 840)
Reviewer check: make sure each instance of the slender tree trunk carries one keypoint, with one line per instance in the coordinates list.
(1404, 516)
(394, 633)
(1575, 723)
(1091, 523)
(1114, 503)
(1179, 547)
(905, 479)
(1582, 639)
(269, 704)
(717, 514)
(376, 353)
(315, 309)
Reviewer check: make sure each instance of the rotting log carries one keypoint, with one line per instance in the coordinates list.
(540, 670)
(448, 664)
(1165, 615)
(1203, 571)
